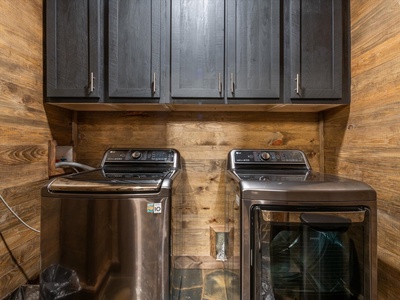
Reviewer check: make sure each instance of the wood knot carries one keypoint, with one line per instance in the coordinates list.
(276, 139)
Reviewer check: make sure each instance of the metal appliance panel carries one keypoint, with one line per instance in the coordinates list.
(312, 186)
(121, 244)
(123, 171)
(283, 180)
(97, 181)
(112, 225)
(142, 157)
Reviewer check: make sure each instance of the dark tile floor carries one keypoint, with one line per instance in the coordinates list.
(197, 284)
(187, 284)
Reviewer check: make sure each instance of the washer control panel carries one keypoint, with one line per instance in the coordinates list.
(140, 155)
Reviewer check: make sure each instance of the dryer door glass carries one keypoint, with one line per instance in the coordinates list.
(309, 254)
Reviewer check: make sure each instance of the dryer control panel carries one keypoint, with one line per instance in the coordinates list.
(269, 155)
(266, 157)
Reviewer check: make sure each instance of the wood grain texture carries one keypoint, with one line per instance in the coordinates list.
(204, 140)
(318, 61)
(134, 48)
(24, 134)
(197, 49)
(253, 56)
(363, 141)
(72, 52)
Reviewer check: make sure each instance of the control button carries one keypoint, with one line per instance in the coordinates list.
(264, 178)
(265, 156)
(136, 154)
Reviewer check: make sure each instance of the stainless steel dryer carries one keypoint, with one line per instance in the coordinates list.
(299, 234)
(110, 227)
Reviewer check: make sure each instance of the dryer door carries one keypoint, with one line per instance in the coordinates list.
(309, 254)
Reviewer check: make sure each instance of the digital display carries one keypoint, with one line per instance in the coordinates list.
(116, 155)
(244, 156)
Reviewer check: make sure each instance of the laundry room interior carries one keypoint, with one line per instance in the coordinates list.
(360, 141)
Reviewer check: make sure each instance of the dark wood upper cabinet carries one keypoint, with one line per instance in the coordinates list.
(197, 49)
(134, 48)
(315, 58)
(198, 52)
(253, 49)
(73, 48)
(229, 50)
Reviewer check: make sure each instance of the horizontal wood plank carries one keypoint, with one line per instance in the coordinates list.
(204, 140)
(19, 275)
(362, 141)
(26, 127)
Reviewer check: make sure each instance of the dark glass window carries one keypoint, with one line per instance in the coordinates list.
(309, 254)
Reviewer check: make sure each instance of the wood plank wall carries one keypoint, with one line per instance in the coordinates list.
(204, 140)
(24, 135)
(363, 141)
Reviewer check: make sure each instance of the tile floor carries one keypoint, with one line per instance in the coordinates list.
(187, 284)
(197, 284)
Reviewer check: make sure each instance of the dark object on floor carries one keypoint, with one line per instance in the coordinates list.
(58, 282)
(25, 292)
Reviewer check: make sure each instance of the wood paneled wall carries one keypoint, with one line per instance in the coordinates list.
(363, 141)
(204, 140)
(24, 135)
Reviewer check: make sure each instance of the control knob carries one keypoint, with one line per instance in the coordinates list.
(136, 154)
(265, 156)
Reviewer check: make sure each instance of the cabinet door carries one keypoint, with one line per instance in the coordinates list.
(197, 49)
(134, 48)
(253, 49)
(315, 49)
(72, 32)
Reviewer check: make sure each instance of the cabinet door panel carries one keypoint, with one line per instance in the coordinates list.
(134, 48)
(197, 64)
(316, 49)
(72, 30)
(253, 49)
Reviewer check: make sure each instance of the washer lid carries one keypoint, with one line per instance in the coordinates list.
(99, 181)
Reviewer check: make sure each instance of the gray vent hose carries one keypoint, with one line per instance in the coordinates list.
(71, 164)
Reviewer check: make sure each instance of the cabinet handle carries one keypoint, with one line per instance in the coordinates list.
(91, 83)
(232, 84)
(154, 83)
(297, 84)
(219, 83)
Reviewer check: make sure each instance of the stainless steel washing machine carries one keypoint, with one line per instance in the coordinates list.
(299, 234)
(110, 228)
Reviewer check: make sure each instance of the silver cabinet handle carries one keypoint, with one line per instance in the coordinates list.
(91, 83)
(219, 83)
(297, 84)
(154, 83)
(232, 84)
